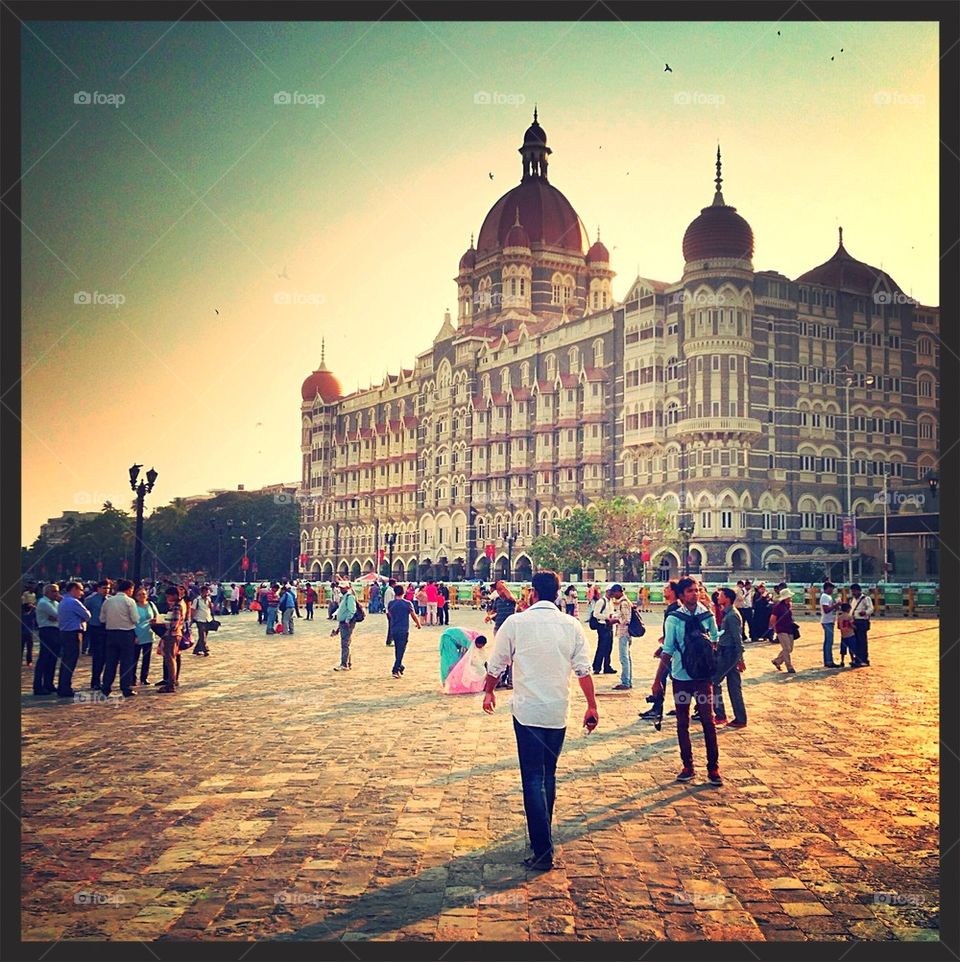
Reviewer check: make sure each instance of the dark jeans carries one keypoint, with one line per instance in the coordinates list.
(201, 645)
(727, 659)
(309, 611)
(601, 660)
(98, 651)
(443, 614)
(860, 651)
(658, 699)
(144, 652)
(70, 642)
(26, 645)
(400, 646)
(699, 693)
(848, 645)
(171, 660)
(46, 663)
(539, 749)
(120, 651)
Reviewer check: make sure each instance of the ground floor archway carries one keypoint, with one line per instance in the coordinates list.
(481, 568)
(412, 569)
(355, 571)
(523, 570)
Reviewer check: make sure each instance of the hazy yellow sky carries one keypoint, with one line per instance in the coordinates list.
(197, 190)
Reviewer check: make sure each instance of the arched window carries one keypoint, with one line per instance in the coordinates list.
(574, 355)
(551, 366)
(672, 369)
(598, 353)
(673, 412)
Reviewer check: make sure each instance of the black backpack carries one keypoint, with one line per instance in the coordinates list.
(636, 628)
(698, 656)
(359, 614)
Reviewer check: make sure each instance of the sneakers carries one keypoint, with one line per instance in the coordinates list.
(622, 687)
(720, 722)
(737, 724)
(686, 774)
(396, 674)
(713, 776)
(777, 665)
(791, 671)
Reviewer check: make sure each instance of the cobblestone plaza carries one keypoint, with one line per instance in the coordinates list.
(275, 799)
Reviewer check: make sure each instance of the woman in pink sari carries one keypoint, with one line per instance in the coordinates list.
(467, 676)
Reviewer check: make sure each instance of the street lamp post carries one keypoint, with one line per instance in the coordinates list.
(141, 490)
(686, 528)
(292, 535)
(511, 537)
(849, 379)
(886, 553)
(391, 540)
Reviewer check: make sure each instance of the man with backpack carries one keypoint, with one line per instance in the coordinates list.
(600, 621)
(690, 634)
(286, 606)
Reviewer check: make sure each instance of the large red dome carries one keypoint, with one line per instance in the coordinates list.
(324, 383)
(547, 217)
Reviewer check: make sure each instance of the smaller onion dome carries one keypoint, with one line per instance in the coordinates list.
(517, 235)
(469, 259)
(598, 253)
(719, 231)
(535, 134)
(321, 382)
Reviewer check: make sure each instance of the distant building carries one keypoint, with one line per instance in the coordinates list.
(721, 394)
(57, 530)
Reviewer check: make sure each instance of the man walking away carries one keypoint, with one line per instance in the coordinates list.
(392, 591)
(311, 601)
(345, 614)
(399, 613)
(543, 645)
(602, 612)
(689, 634)
(862, 609)
(443, 604)
(729, 662)
(120, 617)
(828, 617)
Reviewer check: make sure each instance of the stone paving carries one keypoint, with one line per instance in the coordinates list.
(273, 798)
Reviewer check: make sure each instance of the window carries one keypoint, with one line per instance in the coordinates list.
(632, 378)
(808, 520)
(705, 519)
(807, 462)
(829, 521)
(925, 347)
(830, 464)
(893, 341)
(767, 521)
(715, 362)
(925, 386)
(830, 420)
(926, 431)
(733, 409)
(731, 363)
(726, 520)
(715, 409)
(770, 369)
(859, 336)
(700, 364)
(781, 521)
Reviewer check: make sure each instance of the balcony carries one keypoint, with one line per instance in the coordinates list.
(745, 428)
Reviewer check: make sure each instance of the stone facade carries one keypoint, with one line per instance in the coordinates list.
(724, 390)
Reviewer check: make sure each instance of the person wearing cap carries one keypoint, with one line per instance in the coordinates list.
(602, 612)
(828, 618)
(782, 623)
(345, 625)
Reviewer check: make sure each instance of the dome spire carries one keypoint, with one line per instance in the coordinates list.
(534, 113)
(840, 230)
(718, 180)
(516, 223)
(323, 354)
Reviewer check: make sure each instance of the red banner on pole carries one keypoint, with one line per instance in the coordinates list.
(849, 533)
(644, 556)
(491, 551)
(245, 563)
(380, 555)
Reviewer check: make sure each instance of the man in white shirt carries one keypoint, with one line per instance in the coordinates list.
(49, 630)
(861, 607)
(828, 618)
(120, 616)
(603, 611)
(388, 595)
(543, 645)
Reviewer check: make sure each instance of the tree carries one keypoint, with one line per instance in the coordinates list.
(574, 544)
(624, 524)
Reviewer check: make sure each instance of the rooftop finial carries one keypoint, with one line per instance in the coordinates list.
(471, 241)
(323, 353)
(840, 229)
(598, 233)
(516, 223)
(719, 179)
(534, 113)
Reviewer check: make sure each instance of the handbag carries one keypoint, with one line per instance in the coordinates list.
(795, 631)
(254, 606)
(159, 630)
(213, 625)
(593, 623)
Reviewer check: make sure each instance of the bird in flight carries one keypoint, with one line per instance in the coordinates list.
(490, 175)
(215, 311)
(667, 68)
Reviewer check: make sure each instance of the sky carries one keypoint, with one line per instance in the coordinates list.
(188, 241)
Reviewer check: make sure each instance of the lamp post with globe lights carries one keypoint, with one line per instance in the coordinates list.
(141, 489)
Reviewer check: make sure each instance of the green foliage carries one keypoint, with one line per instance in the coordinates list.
(180, 537)
(609, 534)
